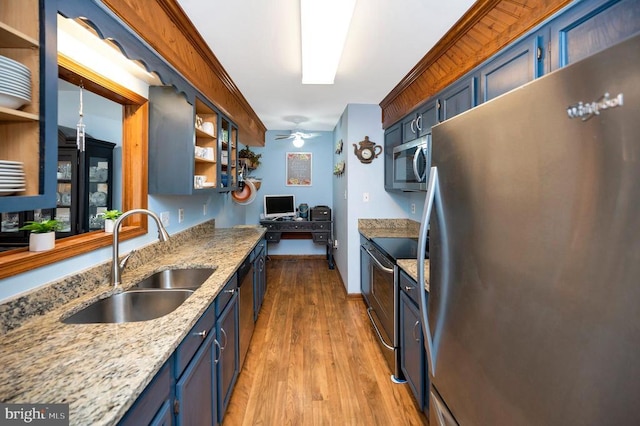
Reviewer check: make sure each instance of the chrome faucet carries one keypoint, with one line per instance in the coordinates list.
(118, 265)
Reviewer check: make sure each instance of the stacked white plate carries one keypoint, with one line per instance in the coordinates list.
(12, 177)
(15, 83)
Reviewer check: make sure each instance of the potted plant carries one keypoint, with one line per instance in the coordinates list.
(110, 217)
(43, 234)
(253, 159)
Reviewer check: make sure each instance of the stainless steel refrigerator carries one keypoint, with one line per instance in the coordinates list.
(534, 209)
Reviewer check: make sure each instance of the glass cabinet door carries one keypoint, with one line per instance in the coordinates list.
(67, 192)
(99, 191)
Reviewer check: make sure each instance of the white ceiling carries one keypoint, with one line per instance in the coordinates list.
(258, 43)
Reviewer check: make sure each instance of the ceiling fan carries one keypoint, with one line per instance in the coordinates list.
(297, 134)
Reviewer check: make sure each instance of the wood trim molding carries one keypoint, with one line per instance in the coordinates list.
(134, 167)
(22, 260)
(77, 74)
(164, 25)
(487, 27)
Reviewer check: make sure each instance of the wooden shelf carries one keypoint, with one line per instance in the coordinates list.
(12, 38)
(202, 134)
(204, 160)
(9, 115)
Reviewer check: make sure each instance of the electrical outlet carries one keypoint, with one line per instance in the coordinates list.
(365, 197)
(180, 215)
(164, 218)
(204, 209)
(413, 207)
(345, 194)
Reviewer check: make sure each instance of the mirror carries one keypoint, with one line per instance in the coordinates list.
(135, 112)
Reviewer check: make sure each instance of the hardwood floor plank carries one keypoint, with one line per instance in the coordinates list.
(313, 359)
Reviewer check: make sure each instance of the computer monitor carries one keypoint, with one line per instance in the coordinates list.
(276, 206)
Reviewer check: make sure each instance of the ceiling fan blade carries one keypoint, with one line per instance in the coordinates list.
(279, 137)
(309, 135)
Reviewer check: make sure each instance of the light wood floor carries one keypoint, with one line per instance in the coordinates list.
(313, 359)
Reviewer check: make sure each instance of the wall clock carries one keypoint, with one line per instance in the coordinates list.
(367, 151)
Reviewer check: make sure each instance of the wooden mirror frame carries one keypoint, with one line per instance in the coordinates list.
(135, 137)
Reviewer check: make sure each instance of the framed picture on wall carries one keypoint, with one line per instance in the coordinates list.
(298, 168)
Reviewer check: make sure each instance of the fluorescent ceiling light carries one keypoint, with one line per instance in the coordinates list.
(324, 25)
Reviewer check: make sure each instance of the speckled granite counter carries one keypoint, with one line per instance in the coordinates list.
(410, 266)
(100, 369)
(386, 228)
(375, 228)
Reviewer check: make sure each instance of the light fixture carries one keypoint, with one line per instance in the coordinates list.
(324, 26)
(78, 42)
(298, 142)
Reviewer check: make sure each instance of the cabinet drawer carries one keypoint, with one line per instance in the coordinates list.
(274, 237)
(225, 295)
(320, 225)
(194, 339)
(153, 400)
(320, 237)
(410, 287)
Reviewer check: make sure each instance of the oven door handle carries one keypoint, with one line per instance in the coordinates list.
(375, 327)
(380, 265)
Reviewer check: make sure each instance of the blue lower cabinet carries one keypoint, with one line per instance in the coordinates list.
(151, 407)
(196, 390)
(164, 417)
(228, 366)
(413, 357)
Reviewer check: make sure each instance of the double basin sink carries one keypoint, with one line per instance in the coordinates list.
(153, 297)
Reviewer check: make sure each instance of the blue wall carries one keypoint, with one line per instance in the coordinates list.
(273, 174)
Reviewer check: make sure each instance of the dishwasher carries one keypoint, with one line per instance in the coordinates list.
(247, 323)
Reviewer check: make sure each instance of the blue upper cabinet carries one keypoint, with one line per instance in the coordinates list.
(590, 27)
(458, 98)
(28, 131)
(518, 65)
(419, 123)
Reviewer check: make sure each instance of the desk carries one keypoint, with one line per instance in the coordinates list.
(320, 231)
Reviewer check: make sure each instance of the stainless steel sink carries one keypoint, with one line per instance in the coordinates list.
(131, 306)
(190, 278)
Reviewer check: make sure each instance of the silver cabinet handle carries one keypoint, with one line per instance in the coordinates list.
(408, 288)
(202, 334)
(413, 331)
(233, 290)
(419, 123)
(375, 327)
(223, 347)
(218, 351)
(413, 129)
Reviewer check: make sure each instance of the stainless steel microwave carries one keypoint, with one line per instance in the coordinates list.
(411, 164)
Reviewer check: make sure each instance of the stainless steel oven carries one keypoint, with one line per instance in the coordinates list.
(379, 285)
(411, 164)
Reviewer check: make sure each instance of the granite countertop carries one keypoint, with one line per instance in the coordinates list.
(410, 266)
(376, 228)
(402, 228)
(100, 369)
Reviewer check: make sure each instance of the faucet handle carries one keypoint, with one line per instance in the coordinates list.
(125, 260)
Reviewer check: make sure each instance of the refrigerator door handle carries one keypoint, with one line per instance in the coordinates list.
(433, 199)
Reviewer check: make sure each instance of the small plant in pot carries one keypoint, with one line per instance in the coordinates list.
(43, 234)
(253, 159)
(110, 217)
